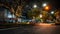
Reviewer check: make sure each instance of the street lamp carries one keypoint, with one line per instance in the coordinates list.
(44, 5)
(35, 6)
(52, 12)
(46, 8)
(40, 15)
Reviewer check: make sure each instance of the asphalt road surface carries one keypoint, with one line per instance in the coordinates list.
(40, 29)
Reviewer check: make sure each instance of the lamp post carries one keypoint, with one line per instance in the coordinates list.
(41, 17)
(44, 7)
(44, 4)
(34, 6)
(52, 12)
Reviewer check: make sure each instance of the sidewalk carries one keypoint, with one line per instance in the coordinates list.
(8, 25)
(13, 25)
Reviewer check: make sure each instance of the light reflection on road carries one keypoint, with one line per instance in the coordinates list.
(44, 28)
(44, 24)
(37, 29)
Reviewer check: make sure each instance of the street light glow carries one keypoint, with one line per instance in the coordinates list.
(44, 4)
(40, 15)
(9, 16)
(35, 6)
(52, 12)
(47, 8)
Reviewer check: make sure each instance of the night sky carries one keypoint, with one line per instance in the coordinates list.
(54, 3)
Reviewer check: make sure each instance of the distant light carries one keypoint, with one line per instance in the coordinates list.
(19, 19)
(35, 6)
(52, 12)
(9, 16)
(28, 22)
(47, 8)
(44, 5)
(45, 24)
(14, 16)
(40, 15)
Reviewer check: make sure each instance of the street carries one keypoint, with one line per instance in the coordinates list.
(37, 29)
(29, 17)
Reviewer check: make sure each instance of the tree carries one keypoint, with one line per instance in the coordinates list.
(33, 13)
(18, 11)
